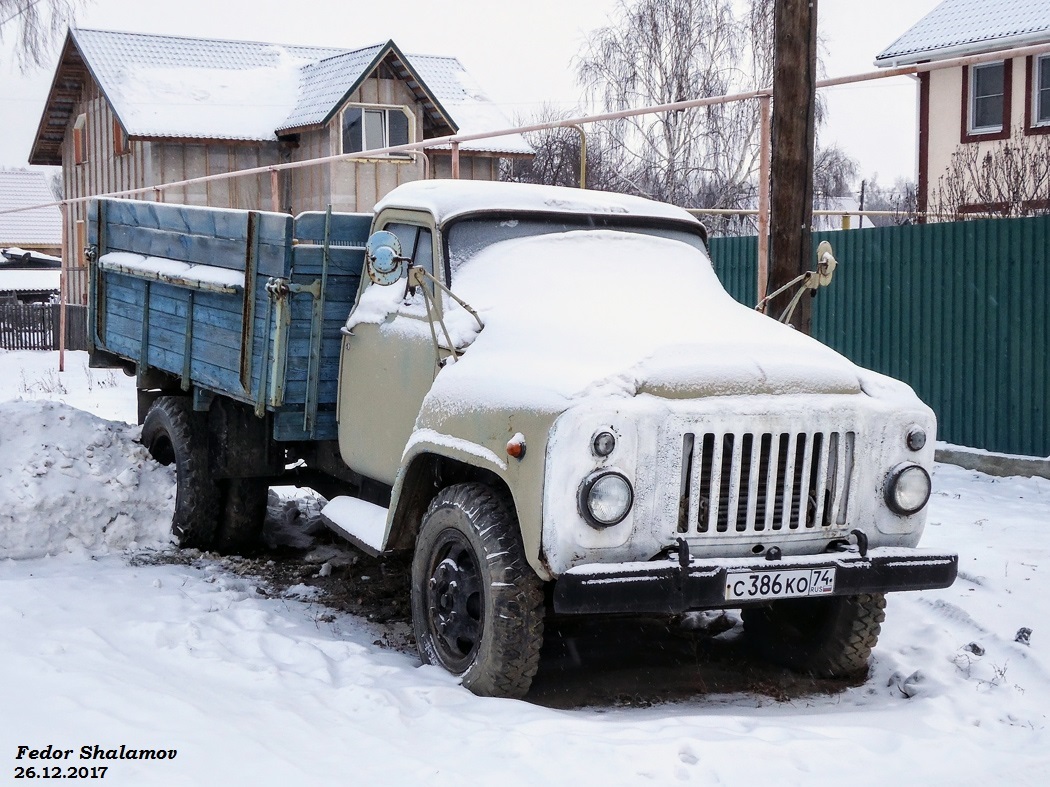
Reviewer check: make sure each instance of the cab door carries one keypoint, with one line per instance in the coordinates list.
(388, 364)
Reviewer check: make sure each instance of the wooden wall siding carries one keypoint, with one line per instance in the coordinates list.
(178, 160)
(471, 167)
(309, 187)
(102, 172)
(359, 186)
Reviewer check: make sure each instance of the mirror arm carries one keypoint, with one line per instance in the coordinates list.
(417, 275)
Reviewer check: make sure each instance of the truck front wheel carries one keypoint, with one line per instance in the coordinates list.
(826, 637)
(175, 434)
(477, 606)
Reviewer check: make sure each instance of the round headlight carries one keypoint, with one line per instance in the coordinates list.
(603, 443)
(916, 438)
(907, 489)
(605, 499)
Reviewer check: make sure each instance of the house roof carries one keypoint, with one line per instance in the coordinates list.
(962, 27)
(22, 280)
(193, 88)
(37, 227)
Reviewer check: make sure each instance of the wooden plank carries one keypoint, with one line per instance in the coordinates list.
(342, 260)
(347, 229)
(288, 426)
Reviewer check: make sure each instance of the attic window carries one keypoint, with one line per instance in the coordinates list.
(987, 98)
(80, 140)
(371, 127)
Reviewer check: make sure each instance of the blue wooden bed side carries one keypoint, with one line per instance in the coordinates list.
(272, 342)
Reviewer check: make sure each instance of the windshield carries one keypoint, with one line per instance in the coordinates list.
(470, 235)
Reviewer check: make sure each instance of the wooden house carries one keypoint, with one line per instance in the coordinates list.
(128, 111)
(978, 106)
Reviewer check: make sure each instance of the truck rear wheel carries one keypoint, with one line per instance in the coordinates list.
(477, 606)
(826, 637)
(243, 514)
(175, 434)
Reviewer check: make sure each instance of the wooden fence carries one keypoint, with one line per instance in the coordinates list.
(35, 326)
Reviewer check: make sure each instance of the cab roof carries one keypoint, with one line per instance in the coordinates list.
(447, 199)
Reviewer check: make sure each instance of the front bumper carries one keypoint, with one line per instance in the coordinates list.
(674, 586)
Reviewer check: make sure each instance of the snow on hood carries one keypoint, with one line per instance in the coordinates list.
(73, 482)
(599, 312)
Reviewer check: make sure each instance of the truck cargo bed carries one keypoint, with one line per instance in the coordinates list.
(244, 304)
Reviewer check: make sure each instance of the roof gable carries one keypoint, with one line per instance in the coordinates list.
(958, 27)
(191, 88)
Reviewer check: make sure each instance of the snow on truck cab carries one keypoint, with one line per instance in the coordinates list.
(545, 394)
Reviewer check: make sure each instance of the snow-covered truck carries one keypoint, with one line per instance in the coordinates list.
(544, 394)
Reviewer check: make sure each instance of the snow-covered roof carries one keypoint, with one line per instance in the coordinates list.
(448, 198)
(21, 280)
(38, 227)
(164, 86)
(960, 27)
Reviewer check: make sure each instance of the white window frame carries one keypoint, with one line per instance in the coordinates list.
(1037, 87)
(386, 109)
(973, 128)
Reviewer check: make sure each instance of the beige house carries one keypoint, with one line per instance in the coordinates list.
(977, 105)
(128, 111)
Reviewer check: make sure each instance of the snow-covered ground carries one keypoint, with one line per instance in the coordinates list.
(252, 687)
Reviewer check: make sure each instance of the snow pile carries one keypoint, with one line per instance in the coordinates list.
(73, 482)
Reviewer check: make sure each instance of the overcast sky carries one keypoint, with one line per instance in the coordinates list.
(521, 53)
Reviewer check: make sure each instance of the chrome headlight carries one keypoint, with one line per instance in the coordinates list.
(605, 499)
(907, 489)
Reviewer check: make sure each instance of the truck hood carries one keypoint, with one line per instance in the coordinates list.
(600, 312)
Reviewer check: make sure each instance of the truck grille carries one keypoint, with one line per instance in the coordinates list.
(754, 483)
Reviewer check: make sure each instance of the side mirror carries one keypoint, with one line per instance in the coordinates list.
(383, 259)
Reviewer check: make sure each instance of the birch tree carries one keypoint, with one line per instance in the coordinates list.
(33, 27)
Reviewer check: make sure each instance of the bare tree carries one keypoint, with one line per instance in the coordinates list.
(559, 156)
(663, 51)
(33, 27)
(901, 198)
(1011, 178)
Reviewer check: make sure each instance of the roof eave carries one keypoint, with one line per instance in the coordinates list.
(964, 50)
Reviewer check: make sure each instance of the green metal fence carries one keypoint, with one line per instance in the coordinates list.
(957, 310)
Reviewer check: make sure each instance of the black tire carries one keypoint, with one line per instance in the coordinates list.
(174, 433)
(243, 514)
(827, 637)
(477, 606)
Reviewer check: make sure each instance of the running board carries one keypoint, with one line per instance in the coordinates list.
(361, 523)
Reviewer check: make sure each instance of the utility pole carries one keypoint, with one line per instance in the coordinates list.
(794, 118)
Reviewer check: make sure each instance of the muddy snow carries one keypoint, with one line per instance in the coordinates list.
(111, 639)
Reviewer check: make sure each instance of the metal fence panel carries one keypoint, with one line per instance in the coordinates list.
(957, 310)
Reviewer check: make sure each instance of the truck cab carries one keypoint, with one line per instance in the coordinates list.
(649, 445)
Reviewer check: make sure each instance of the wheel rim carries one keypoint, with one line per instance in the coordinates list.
(454, 611)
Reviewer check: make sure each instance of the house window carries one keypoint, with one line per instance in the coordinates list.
(368, 128)
(987, 98)
(120, 139)
(1041, 96)
(80, 140)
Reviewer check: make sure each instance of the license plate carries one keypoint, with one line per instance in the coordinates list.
(751, 585)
